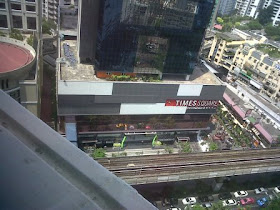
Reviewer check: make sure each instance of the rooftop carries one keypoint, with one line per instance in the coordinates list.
(13, 57)
(228, 36)
(70, 69)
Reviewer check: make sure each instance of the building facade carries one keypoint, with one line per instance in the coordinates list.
(226, 7)
(156, 37)
(24, 15)
(276, 10)
(50, 9)
(248, 7)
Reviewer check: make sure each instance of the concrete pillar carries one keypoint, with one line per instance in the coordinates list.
(218, 183)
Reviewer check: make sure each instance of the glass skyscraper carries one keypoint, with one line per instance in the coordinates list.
(150, 36)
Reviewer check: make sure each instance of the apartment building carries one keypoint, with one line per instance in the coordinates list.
(24, 15)
(276, 10)
(226, 7)
(248, 7)
(247, 57)
(50, 9)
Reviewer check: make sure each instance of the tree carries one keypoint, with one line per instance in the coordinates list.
(47, 25)
(213, 146)
(99, 153)
(265, 15)
(254, 25)
(186, 147)
(274, 204)
(16, 34)
(218, 206)
(197, 207)
(30, 40)
(220, 20)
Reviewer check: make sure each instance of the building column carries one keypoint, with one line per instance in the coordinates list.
(218, 183)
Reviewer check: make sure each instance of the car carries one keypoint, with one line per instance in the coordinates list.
(174, 208)
(205, 198)
(225, 195)
(262, 202)
(229, 202)
(247, 201)
(260, 190)
(206, 205)
(277, 189)
(189, 201)
(240, 194)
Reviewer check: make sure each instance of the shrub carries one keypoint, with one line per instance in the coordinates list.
(99, 153)
(16, 34)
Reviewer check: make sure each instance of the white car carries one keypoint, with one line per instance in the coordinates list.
(260, 190)
(230, 202)
(189, 201)
(240, 194)
(174, 208)
(277, 189)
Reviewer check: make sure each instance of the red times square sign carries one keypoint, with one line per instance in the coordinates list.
(193, 104)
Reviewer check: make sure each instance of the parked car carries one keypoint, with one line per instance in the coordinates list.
(174, 208)
(277, 189)
(225, 195)
(205, 198)
(240, 194)
(247, 201)
(207, 205)
(230, 202)
(260, 190)
(189, 201)
(262, 202)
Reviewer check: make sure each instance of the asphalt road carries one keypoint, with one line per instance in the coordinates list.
(251, 194)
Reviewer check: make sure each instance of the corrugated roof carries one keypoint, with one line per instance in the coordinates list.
(256, 54)
(265, 134)
(268, 61)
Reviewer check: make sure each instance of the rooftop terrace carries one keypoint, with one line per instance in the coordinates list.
(70, 69)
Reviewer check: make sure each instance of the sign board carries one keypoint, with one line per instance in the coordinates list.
(193, 104)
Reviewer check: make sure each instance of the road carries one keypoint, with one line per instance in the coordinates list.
(251, 194)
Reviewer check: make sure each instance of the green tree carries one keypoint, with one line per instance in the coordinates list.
(220, 20)
(99, 153)
(186, 147)
(168, 149)
(197, 207)
(274, 204)
(2, 34)
(16, 34)
(30, 40)
(213, 146)
(264, 16)
(218, 206)
(254, 25)
(47, 25)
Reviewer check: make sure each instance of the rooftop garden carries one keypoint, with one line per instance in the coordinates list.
(268, 49)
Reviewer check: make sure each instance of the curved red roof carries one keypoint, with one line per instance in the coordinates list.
(13, 57)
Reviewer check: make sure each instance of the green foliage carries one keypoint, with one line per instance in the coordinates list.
(168, 149)
(270, 50)
(2, 34)
(218, 206)
(186, 147)
(272, 32)
(158, 143)
(213, 146)
(16, 34)
(99, 153)
(47, 25)
(254, 25)
(249, 73)
(264, 16)
(274, 204)
(220, 20)
(30, 40)
(197, 207)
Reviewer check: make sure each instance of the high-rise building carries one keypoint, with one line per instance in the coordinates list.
(248, 7)
(24, 15)
(139, 74)
(226, 7)
(276, 10)
(144, 35)
(50, 9)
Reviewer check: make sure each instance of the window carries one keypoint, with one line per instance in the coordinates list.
(7, 83)
(2, 5)
(16, 6)
(266, 67)
(255, 61)
(30, 1)
(108, 73)
(3, 21)
(31, 23)
(250, 58)
(2, 84)
(17, 21)
(30, 8)
(261, 64)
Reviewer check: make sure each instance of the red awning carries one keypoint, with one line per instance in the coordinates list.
(266, 135)
(239, 111)
(228, 99)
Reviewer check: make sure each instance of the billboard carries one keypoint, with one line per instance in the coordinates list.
(193, 104)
